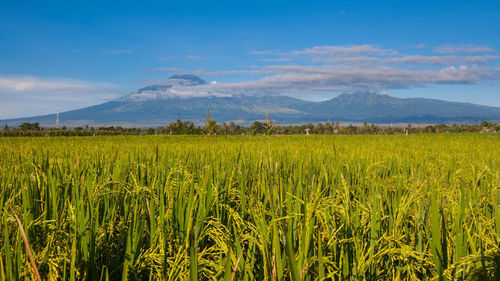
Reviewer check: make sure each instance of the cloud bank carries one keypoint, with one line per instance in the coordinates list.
(353, 67)
(455, 49)
(22, 94)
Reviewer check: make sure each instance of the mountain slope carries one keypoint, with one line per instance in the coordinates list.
(186, 97)
(378, 108)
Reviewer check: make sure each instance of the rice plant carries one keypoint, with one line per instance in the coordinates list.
(422, 207)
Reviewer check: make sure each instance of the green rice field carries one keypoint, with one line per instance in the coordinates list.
(418, 207)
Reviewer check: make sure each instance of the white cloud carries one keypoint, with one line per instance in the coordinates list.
(351, 67)
(350, 54)
(342, 50)
(344, 54)
(257, 71)
(343, 68)
(480, 59)
(368, 54)
(347, 60)
(29, 95)
(465, 48)
(276, 59)
(440, 60)
(25, 83)
(419, 59)
(312, 79)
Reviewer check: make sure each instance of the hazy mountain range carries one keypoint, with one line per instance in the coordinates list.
(188, 97)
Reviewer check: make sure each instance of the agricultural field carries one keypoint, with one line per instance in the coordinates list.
(418, 207)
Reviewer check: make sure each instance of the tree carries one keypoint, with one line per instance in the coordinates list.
(233, 129)
(365, 128)
(6, 128)
(351, 129)
(29, 126)
(257, 128)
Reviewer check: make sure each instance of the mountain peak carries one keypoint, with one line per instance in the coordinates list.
(174, 80)
(168, 88)
(188, 77)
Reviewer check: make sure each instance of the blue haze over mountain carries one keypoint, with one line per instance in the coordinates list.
(187, 97)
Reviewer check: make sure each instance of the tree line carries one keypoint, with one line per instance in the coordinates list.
(211, 127)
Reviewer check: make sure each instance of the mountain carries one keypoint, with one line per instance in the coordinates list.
(188, 97)
(377, 108)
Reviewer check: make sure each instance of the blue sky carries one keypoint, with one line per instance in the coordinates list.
(69, 54)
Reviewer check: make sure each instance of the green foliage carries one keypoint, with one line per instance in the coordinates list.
(29, 126)
(417, 207)
(180, 127)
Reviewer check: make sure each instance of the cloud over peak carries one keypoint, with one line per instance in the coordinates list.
(341, 68)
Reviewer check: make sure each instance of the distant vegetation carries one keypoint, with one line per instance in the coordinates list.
(256, 128)
(422, 207)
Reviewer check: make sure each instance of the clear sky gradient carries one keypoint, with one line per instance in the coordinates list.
(69, 54)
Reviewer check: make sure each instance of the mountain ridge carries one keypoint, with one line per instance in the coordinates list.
(186, 97)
